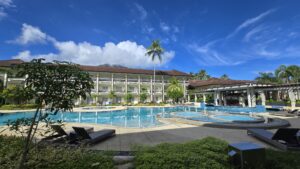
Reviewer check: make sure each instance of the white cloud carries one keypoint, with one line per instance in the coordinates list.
(125, 53)
(250, 22)
(253, 32)
(143, 13)
(164, 27)
(30, 35)
(2, 14)
(6, 3)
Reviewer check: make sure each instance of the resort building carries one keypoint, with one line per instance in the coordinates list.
(117, 79)
(241, 92)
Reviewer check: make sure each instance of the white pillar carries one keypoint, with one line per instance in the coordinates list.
(292, 98)
(151, 90)
(204, 98)
(253, 98)
(112, 82)
(97, 87)
(126, 84)
(216, 98)
(5, 80)
(184, 90)
(139, 81)
(249, 97)
(163, 88)
(242, 101)
(189, 98)
(224, 99)
(263, 98)
(195, 98)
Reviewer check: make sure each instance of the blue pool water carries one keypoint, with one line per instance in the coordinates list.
(132, 117)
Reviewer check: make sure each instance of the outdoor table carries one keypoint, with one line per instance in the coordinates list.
(250, 154)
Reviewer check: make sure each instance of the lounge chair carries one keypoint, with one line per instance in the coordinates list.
(290, 113)
(283, 138)
(94, 137)
(61, 134)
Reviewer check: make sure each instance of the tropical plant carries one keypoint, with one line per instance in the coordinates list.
(54, 87)
(281, 74)
(224, 76)
(155, 51)
(128, 97)
(201, 75)
(16, 94)
(143, 95)
(112, 95)
(266, 77)
(174, 90)
(293, 72)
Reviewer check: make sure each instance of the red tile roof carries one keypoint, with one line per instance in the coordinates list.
(9, 63)
(104, 68)
(217, 82)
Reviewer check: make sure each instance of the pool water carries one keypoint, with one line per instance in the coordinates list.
(132, 117)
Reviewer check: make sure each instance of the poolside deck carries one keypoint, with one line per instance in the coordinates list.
(174, 133)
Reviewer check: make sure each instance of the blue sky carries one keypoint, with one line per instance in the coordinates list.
(239, 38)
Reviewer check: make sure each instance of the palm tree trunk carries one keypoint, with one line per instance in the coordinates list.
(153, 87)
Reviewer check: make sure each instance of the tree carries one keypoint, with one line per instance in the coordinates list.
(54, 86)
(112, 95)
(224, 76)
(201, 75)
(155, 51)
(174, 90)
(16, 94)
(281, 74)
(143, 95)
(128, 97)
(266, 77)
(293, 72)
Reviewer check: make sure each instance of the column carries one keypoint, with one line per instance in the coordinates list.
(26, 76)
(112, 82)
(253, 98)
(97, 87)
(184, 90)
(139, 83)
(126, 84)
(242, 101)
(204, 98)
(151, 90)
(249, 97)
(5, 80)
(292, 98)
(195, 98)
(224, 99)
(263, 97)
(189, 98)
(216, 98)
(163, 88)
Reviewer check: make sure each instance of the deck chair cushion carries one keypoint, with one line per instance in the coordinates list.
(288, 135)
(82, 132)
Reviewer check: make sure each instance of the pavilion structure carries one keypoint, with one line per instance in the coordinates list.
(241, 92)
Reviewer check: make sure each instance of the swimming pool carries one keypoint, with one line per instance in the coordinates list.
(131, 117)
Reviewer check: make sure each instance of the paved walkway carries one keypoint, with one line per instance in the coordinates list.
(174, 133)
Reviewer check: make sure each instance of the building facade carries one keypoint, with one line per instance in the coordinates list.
(119, 80)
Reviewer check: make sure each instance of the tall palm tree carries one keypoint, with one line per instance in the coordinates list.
(281, 74)
(202, 75)
(293, 72)
(155, 51)
(266, 77)
(224, 76)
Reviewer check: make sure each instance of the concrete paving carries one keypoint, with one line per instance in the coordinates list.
(175, 133)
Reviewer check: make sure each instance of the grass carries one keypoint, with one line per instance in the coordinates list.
(17, 106)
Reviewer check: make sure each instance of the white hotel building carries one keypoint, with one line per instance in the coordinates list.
(121, 80)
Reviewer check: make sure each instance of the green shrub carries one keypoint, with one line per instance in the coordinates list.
(50, 157)
(17, 106)
(282, 160)
(206, 153)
